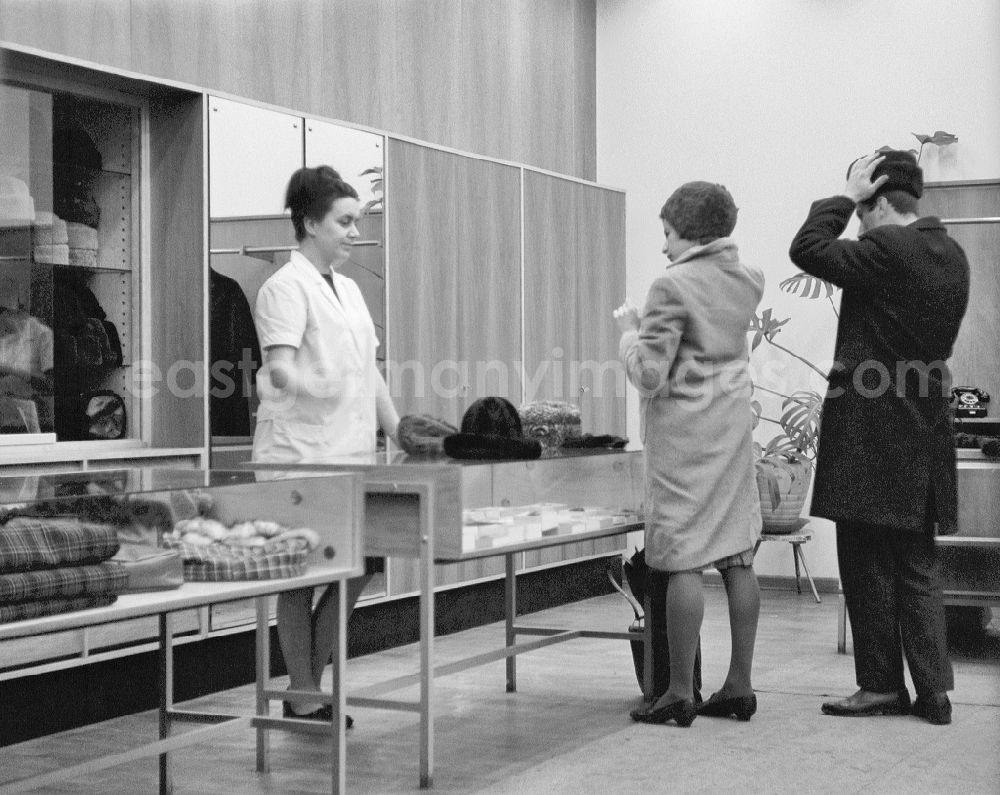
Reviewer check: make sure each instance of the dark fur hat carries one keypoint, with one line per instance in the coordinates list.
(903, 171)
(491, 430)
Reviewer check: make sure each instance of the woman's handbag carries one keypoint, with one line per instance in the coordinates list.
(640, 579)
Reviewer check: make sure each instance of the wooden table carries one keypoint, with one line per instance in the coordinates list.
(192, 595)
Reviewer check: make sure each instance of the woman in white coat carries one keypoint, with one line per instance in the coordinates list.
(321, 394)
(687, 355)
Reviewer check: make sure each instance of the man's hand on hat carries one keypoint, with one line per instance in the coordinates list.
(627, 317)
(859, 178)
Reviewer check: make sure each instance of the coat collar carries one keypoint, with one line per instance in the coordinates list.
(928, 222)
(304, 266)
(722, 249)
(309, 272)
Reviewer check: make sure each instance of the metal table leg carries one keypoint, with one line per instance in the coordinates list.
(510, 614)
(426, 661)
(165, 675)
(263, 666)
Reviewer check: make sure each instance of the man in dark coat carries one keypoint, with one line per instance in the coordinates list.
(885, 468)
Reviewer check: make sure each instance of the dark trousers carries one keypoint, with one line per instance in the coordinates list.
(892, 589)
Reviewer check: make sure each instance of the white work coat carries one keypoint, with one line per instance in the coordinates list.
(333, 413)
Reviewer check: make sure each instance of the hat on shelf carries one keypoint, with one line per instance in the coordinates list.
(17, 208)
(491, 430)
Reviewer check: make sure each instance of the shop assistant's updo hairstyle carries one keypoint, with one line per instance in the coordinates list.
(700, 212)
(310, 194)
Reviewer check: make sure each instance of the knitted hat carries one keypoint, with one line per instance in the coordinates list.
(700, 212)
(491, 430)
(903, 171)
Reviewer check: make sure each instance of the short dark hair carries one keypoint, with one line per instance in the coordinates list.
(900, 200)
(311, 193)
(700, 212)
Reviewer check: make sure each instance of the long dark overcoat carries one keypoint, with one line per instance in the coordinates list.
(886, 448)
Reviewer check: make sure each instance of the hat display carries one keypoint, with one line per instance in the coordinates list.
(491, 430)
(17, 208)
(903, 172)
(422, 434)
(551, 422)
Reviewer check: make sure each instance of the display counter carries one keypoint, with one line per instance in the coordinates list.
(456, 511)
(85, 510)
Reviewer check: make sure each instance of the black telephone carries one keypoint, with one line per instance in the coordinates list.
(970, 401)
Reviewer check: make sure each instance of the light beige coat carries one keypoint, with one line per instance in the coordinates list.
(689, 361)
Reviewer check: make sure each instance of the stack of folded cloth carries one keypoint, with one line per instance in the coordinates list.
(50, 239)
(82, 241)
(56, 564)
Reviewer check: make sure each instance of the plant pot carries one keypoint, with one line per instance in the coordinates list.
(790, 479)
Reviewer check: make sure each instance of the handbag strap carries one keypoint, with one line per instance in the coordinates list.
(636, 607)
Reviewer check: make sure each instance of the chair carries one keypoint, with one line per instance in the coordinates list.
(799, 535)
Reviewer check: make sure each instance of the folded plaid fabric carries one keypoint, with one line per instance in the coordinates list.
(28, 543)
(68, 581)
(224, 563)
(50, 607)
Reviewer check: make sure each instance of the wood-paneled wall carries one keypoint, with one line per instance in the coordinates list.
(453, 236)
(510, 79)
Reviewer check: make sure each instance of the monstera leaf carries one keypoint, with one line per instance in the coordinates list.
(376, 186)
(765, 327)
(800, 418)
(806, 286)
(940, 138)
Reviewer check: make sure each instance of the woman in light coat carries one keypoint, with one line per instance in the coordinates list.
(687, 355)
(322, 395)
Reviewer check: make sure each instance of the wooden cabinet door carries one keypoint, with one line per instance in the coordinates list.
(975, 359)
(574, 276)
(453, 280)
(551, 274)
(600, 288)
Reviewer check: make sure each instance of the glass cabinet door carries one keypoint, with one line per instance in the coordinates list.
(68, 245)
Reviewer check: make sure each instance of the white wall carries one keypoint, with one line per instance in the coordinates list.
(774, 98)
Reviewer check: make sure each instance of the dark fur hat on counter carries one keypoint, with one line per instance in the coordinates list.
(491, 430)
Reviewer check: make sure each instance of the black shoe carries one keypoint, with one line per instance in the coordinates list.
(853, 707)
(934, 708)
(683, 711)
(743, 707)
(323, 714)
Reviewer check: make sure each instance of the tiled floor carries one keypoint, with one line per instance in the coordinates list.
(567, 728)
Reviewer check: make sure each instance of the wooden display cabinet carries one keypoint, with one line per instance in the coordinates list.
(407, 497)
(114, 170)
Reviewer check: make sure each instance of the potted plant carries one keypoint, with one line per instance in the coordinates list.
(785, 463)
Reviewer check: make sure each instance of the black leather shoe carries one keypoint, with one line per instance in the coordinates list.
(854, 707)
(323, 714)
(933, 708)
(683, 711)
(742, 707)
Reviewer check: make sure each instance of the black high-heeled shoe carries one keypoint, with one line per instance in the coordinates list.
(742, 707)
(324, 714)
(683, 712)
